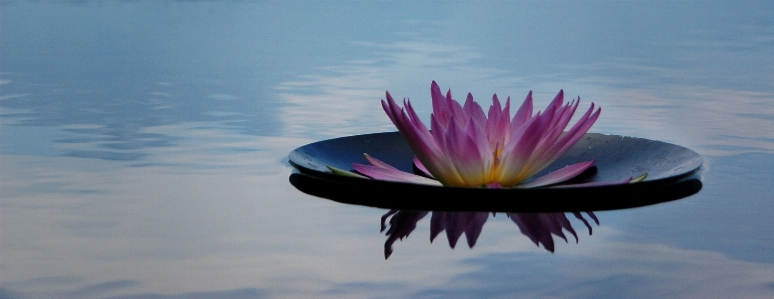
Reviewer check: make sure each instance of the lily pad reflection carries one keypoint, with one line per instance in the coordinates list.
(540, 228)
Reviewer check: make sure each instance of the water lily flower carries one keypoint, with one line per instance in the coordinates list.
(465, 147)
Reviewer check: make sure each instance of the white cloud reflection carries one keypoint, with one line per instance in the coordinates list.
(602, 266)
(344, 100)
(713, 121)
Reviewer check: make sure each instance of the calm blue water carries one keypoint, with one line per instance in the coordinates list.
(143, 145)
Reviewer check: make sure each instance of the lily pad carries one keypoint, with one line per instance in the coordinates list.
(671, 174)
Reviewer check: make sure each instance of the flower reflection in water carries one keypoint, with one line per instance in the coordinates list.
(538, 227)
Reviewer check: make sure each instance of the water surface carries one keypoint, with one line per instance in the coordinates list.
(143, 146)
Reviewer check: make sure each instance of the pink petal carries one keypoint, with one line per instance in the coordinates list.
(378, 163)
(420, 140)
(557, 176)
(437, 130)
(524, 113)
(498, 123)
(516, 155)
(558, 119)
(527, 129)
(392, 175)
(569, 139)
(422, 167)
(484, 149)
(595, 184)
(414, 117)
(459, 114)
(494, 185)
(476, 132)
(584, 127)
(474, 111)
(558, 101)
(543, 135)
(507, 110)
(465, 156)
(388, 109)
(441, 169)
(496, 107)
(440, 107)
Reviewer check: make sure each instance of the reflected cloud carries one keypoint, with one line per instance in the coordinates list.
(344, 100)
(104, 290)
(631, 269)
(540, 228)
(703, 118)
(248, 293)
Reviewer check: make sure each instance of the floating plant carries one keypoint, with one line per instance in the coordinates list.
(468, 160)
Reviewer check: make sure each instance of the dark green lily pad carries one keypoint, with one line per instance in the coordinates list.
(671, 173)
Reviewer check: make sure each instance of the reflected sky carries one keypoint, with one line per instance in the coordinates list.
(143, 145)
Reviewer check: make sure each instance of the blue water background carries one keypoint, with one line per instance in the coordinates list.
(143, 145)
